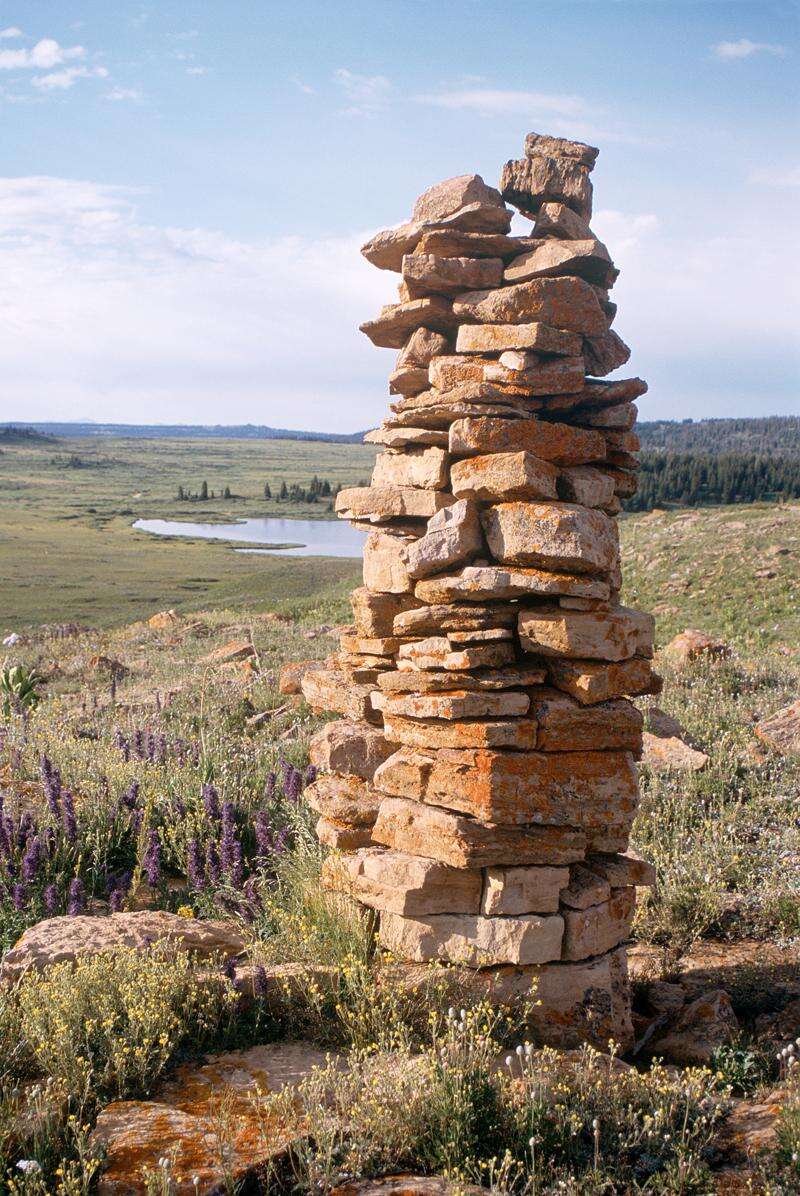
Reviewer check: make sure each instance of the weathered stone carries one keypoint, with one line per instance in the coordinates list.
(551, 536)
(591, 681)
(374, 613)
(458, 704)
(564, 723)
(603, 354)
(69, 938)
(347, 747)
(539, 145)
(699, 1029)
(436, 652)
(622, 416)
(387, 248)
(584, 889)
(418, 681)
(342, 836)
(527, 183)
(497, 338)
(514, 891)
(453, 535)
(452, 242)
(403, 884)
(343, 799)
(587, 259)
(691, 645)
(377, 505)
(555, 442)
(384, 564)
(502, 477)
(408, 380)
(182, 1123)
(463, 843)
(393, 437)
(473, 940)
(781, 731)
(585, 485)
(557, 220)
(622, 871)
(429, 274)
(422, 467)
(433, 620)
(599, 928)
(479, 583)
(445, 199)
(421, 347)
(227, 653)
(670, 753)
(568, 303)
(391, 328)
(597, 395)
(292, 673)
(518, 733)
(447, 373)
(330, 689)
(538, 376)
(479, 635)
(594, 635)
(590, 790)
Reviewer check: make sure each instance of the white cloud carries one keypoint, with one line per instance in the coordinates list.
(744, 48)
(46, 54)
(366, 94)
(120, 94)
(197, 70)
(775, 178)
(63, 79)
(11, 32)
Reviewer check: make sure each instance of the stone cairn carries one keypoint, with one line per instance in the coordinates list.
(481, 786)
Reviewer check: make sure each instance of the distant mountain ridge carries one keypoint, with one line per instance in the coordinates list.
(182, 431)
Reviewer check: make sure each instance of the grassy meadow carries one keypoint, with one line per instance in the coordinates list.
(165, 789)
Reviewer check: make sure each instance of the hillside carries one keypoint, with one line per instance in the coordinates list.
(773, 434)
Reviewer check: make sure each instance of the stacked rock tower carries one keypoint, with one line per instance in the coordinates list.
(481, 787)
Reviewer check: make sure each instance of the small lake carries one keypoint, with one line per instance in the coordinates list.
(278, 537)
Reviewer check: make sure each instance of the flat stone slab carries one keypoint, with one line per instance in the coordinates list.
(473, 939)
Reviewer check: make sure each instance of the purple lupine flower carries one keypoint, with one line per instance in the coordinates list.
(260, 984)
(136, 820)
(151, 747)
(25, 829)
(293, 786)
(130, 796)
(179, 806)
(311, 774)
(19, 896)
(263, 832)
(211, 802)
(76, 899)
(116, 900)
(68, 819)
(138, 744)
(161, 748)
(6, 835)
(50, 899)
(286, 768)
(279, 842)
(213, 870)
(51, 782)
(195, 868)
(31, 860)
(152, 859)
(269, 786)
(118, 739)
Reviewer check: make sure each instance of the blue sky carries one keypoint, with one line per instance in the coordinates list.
(185, 187)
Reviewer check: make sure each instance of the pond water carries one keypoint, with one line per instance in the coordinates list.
(277, 537)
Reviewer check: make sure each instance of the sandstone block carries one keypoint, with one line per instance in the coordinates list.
(557, 220)
(595, 635)
(421, 347)
(449, 197)
(446, 373)
(429, 274)
(560, 536)
(518, 733)
(587, 259)
(422, 682)
(472, 939)
(599, 928)
(622, 417)
(423, 467)
(332, 691)
(502, 477)
(436, 652)
(346, 747)
(539, 145)
(540, 376)
(555, 442)
(384, 564)
(379, 504)
(398, 883)
(622, 871)
(514, 891)
(568, 303)
(589, 681)
(396, 321)
(433, 620)
(527, 183)
(374, 613)
(586, 486)
(458, 704)
(478, 584)
(584, 889)
(454, 535)
(292, 673)
(565, 723)
(497, 338)
(452, 242)
(408, 380)
(387, 248)
(463, 843)
(343, 799)
(603, 354)
(394, 437)
(341, 836)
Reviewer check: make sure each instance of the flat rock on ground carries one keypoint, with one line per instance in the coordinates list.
(781, 731)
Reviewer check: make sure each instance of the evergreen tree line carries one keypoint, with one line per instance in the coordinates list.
(318, 488)
(701, 479)
(203, 494)
(773, 434)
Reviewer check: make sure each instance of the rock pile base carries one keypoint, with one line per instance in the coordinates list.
(482, 784)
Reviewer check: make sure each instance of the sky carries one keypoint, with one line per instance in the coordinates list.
(185, 187)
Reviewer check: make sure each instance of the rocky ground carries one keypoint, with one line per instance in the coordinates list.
(171, 961)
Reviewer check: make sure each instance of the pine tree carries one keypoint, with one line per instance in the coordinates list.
(267, 491)
(204, 492)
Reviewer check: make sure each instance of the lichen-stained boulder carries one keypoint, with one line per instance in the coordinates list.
(424, 467)
(449, 197)
(612, 635)
(347, 747)
(448, 372)
(535, 374)
(391, 328)
(486, 582)
(384, 563)
(603, 354)
(556, 442)
(586, 485)
(453, 535)
(497, 338)
(374, 613)
(591, 681)
(587, 259)
(459, 704)
(334, 690)
(522, 890)
(398, 883)
(557, 220)
(528, 182)
(539, 145)
(516, 733)
(372, 504)
(599, 928)
(568, 303)
(438, 834)
(474, 940)
(345, 799)
(561, 536)
(563, 723)
(429, 274)
(502, 477)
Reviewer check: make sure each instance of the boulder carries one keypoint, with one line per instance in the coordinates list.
(425, 467)
(591, 681)
(781, 731)
(585, 485)
(393, 437)
(622, 871)
(333, 690)
(396, 321)
(453, 242)
(374, 613)
(437, 652)
(671, 754)
(398, 883)
(291, 675)
(433, 620)
(424, 682)
(385, 569)
(438, 834)
(697, 1031)
(407, 380)
(497, 338)
(421, 347)
(232, 651)
(503, 477)
(342, 836)
(584, 888)
(558, 443)
(565, 723)
(562, 536)
(346, 747)
(568, 303)
(529, 182)
(453, 535)
(448, 372)
(381, 504)
(458, 704)
(343, 799)
(515, 732)
(599, 928)
(69, 938)
(691, 645)
(161, 621)
(429, 274)
(539, 145)
(621, 417)
(587, 259)
(611, 635)
(514, 891)
(537, 375)
(557, 220)
(603, 354)
(472, 939)
(445, 200)
(478, 583)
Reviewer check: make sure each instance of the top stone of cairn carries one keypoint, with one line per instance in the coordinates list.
(554, 170)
